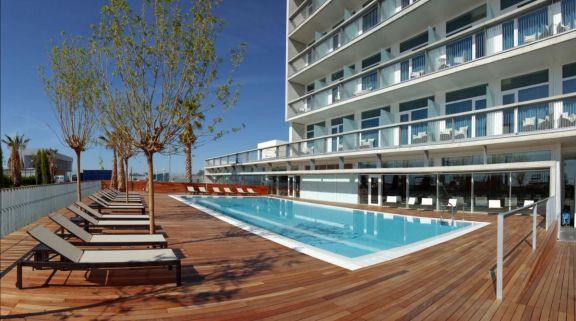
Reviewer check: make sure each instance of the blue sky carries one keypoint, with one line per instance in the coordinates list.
(28, 26)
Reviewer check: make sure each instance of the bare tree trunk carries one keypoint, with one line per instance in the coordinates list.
(126, 175)
(121, 179)
(78, 185)
(114, 178)
(149, 159)
(188, 153)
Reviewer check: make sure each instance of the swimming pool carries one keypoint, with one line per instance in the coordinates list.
(346, 237)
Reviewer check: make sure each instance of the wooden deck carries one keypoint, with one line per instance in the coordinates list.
(229, 274)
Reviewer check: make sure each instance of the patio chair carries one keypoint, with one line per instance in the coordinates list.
(216, 190)
(529, 124)
(452, 206)
(116, 224)
(528, 202)
(494, 205)
(120, 192)
(191, 190)
(202, 190)
(461, 133)
(411, 201)
(111, 197)
(107, 239)
(446, 134)
(228, 191)
(74, 258)
(101, 216)
(427, 202)
(102, 204)
(392, 201)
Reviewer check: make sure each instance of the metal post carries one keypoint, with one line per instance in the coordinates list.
(534, 227)
(500, 257)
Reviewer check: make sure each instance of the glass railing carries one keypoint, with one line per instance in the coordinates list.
(526, 118)
(348, 32)
(304, 12)
(527, 28)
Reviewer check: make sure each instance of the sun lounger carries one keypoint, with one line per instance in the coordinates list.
(126, 224)
(240, 190)
(120, 192)
(228, 191)
(116, 206)
(108, 239)
(427, 202)
(392, 201)
(191, 190)
(119, 198)
(494, 205)
(411, 201)
(202, 190)
(74, 258)
(216, 190)
(251, 191)
(101, 216)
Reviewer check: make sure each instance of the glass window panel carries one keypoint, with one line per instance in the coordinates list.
(369, 20)
(466, 19)
(415, 104)
(405, 70)
(569, 70)
(414, 42)
(458, 186)
(459, 107)
(508, 99)
(569, 13)
(369, 82)
(480, 125)
(508, 35)
(490, 186)
(508, 3)
(508, 122)
(459, 51)
(394, 185)
(480, 45)
(569, 86)
(461, 94)
(533, 26)
(369, 123)
(338, 75)
(422, 186)
(533, 93)
(419, 64)
(371, 61)
(534, 78)
(363, 189)
(531, 156)
(528, 185)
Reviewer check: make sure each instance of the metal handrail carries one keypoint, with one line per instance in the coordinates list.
(500, 239)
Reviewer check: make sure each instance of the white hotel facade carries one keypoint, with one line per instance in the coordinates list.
(473, 100)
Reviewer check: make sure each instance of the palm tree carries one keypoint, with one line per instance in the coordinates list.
(188, 138)
(110, 143)
(16, 143)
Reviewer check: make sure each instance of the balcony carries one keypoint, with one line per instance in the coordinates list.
(553, 114)
(303, 12)
(475, 44)
(351, 29)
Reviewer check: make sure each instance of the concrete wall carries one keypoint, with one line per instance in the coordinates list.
(333, 188)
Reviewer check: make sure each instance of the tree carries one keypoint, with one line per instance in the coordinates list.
(188, 139)
(163, 60)
(44, 166)
(16, 144)
(52, 166)
(109, 141)
(73, 91)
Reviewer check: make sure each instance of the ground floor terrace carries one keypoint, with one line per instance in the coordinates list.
(230, 274)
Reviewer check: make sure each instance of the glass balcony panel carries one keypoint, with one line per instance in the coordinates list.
(459, 52)
(568, 8)
(534, 26)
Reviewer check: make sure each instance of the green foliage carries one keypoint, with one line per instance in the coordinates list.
(28, 180)
(42, 166)
(15, 144)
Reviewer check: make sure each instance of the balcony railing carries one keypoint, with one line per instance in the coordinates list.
(350, 30)
(532, 117)
(482, 42)
(303, 12)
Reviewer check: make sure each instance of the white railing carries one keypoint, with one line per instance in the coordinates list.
(500, 238)
(23, 205)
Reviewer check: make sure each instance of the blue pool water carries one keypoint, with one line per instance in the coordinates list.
(347, 232)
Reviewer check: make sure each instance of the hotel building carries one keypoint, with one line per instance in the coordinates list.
(416, 102)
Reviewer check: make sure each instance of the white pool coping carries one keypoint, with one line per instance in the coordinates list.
(333, 258)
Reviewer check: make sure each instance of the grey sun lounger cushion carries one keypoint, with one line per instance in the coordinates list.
(113, 239)
(118, 205)
(77, 255)
(101, 216)
(108, 223)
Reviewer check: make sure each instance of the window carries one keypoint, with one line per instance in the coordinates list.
(312, 129)
(525, 80)
(508, 3)
(415, 104)
(414, 42)
(466, 19)
(371, 119)
(464, 160)
(335, 94)
(569, 78)
(370, 61)
(310, 88)
(533, 26)
(508, 35)
(370, 82)
(480, 45)
(459, 51)
(568, 14)
(369, 20)
(335, 41)
(338, 75)
(532, 156)
(466, 93)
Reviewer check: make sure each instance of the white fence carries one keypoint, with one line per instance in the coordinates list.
(24, 205)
